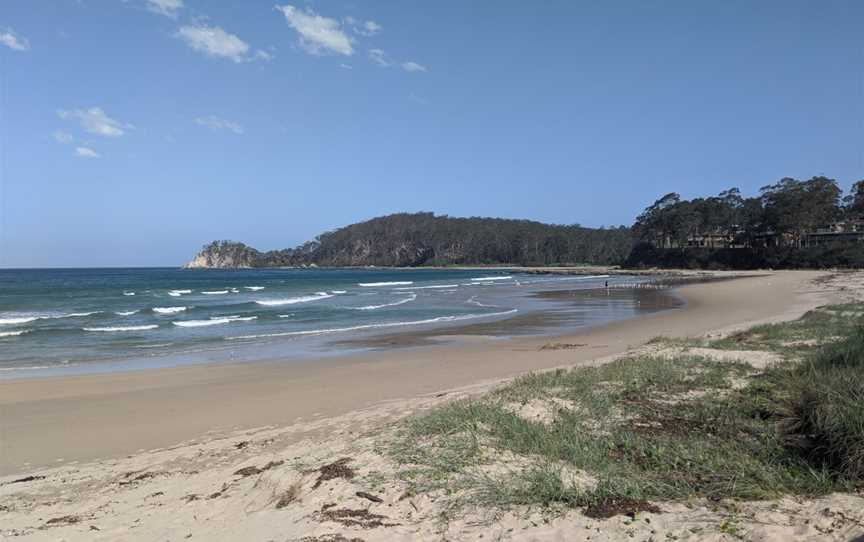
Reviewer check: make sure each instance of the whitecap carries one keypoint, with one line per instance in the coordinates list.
(215, 292)
(128, 293)
(480, 279)
(436, 286)
(23, 319)
(125, 313)
(213, 321)
(178, 293)
(168, 310)
(14, 333)
(455, 318)
(17, 320)
(254, 288)
(396, 283)
(409, 299)
(122, 328)
(286, 315)
(338, 292)
(293, 300)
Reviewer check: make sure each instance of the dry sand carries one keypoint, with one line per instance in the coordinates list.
(117, 463)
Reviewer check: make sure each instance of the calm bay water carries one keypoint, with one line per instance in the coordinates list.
(55, 320)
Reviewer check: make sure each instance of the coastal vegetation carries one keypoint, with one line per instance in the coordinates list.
(418, 239)
(790, 224)
(678, 423)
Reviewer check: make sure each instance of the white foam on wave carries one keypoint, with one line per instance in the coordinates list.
(473, 301)
(255, 288)
(14, 333)
(482, 279)
(433, 287)
(294, 300)
(455, 318)
(125, 313)
(409, 299)
(168, 310)
(214, 321)
(396, 283)
(25, 318)
(122, 328)
(12, 320)
(178, 293)
(286, 315)
(128, 293)
(338, 292)
(215, 292)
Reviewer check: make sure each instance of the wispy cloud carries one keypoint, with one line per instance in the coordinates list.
(13, 41)
(95, 121)
(413, 67)
(169, 8)
(318, 35)
(380, 57)
(217, 124)
(213, 41)
(369, 28)
(86, 152)
(62, 137)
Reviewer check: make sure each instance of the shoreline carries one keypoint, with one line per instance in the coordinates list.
(50, 422)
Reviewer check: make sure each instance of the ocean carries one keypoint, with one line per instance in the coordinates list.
(61, 321)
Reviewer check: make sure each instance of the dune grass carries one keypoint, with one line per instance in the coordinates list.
(652, 428)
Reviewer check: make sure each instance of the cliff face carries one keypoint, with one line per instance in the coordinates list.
(225, 255)
(407, 240)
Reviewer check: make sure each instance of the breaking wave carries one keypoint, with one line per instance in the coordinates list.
(480, 279)
(122, 328)
(428, 287)
(439, 319)
(409, 299)
(396, 283)
(215, 321)
(13, 333)
(293, 300)
(254, 288)
(215, 292)
(168, 310)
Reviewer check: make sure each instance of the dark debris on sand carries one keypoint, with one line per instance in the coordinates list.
(353, 518)
(619, 507)
(337, 469)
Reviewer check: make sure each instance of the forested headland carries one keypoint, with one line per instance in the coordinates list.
(789, 224)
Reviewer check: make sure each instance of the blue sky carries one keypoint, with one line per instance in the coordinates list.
(135, 131)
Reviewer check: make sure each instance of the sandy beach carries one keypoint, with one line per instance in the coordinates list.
(52, 421)
(133, 455)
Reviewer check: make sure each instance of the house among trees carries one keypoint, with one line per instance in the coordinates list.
(791, 213)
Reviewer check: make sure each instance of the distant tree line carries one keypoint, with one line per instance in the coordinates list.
(792, 223)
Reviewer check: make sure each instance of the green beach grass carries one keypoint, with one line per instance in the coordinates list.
(657, 427)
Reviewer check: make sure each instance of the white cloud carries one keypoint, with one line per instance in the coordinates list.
(217, 123)
(380, 57)
(413, 67)
(263, 55)
(369, 28)
(86, 152)
(95, 121)
(169, 8)
(13, 41)
(213, 41)
(62, 137)
(318, 35)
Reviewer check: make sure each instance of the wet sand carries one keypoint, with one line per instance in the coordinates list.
(52, 421)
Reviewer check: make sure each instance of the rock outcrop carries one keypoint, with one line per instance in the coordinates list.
(225, 255)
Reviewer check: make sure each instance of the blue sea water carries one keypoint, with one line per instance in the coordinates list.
(97, 319)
